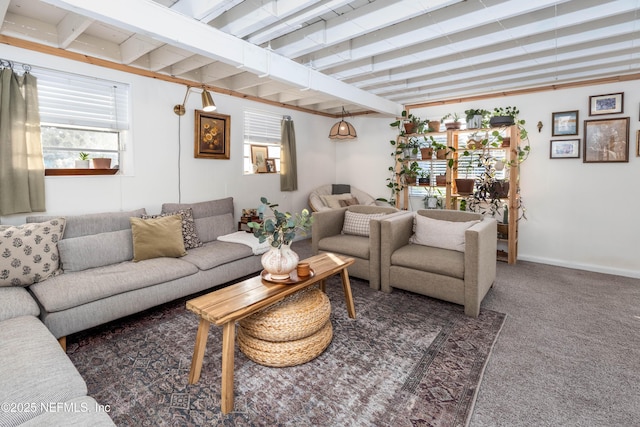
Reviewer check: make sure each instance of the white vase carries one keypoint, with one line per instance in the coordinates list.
(280, 262)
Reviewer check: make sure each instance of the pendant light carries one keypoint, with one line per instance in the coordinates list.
(343, 129)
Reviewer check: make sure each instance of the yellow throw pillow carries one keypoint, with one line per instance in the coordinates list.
(157, 237)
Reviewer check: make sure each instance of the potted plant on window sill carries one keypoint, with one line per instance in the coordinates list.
(83, 162)
(101, 163)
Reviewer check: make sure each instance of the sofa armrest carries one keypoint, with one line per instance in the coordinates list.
(395, 232)
(326, 223)
(479, 263)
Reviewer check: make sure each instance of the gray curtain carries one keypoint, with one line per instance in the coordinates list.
(21, 162)
(288, 166)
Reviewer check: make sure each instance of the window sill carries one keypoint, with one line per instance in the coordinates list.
(74, 172)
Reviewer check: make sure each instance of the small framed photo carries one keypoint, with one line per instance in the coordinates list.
(212, 135)
(638, 143)
(565, 149)
(259, 154)
(271, 165)
(606, 140)
(564, 123)
(606, 104)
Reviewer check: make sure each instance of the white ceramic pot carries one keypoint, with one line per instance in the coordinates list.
(82, 164)
(280, 262)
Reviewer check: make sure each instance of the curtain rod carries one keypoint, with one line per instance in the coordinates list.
(4, 63)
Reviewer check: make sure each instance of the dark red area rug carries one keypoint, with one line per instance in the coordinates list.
(406, 360)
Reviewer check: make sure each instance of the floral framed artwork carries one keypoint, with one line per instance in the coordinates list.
(606, 140)
(212, 135)
(565, 149)
(259, 154)
(564, 123)
(606, 104)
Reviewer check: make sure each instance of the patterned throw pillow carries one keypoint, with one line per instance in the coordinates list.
(29, 253)
(358, 223)
(189, 234)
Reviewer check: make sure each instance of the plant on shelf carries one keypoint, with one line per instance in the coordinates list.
(508, 116)
(409, 173)
(425, 177)
(434, 199)
(451, 121)
(427, 146)
(409, 123)
(408, 149)
(477, 118)
(281, 227)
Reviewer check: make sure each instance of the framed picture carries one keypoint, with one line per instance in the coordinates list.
(565, 149)
(271, 165)
(212, 135)
(638, 143)
(565, 123)
(259, 158)
(606, 104)
(606, 140)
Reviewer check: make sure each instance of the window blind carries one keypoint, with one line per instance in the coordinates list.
(72, 99)
(262, 127)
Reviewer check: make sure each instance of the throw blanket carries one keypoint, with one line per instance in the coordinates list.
(247, 239)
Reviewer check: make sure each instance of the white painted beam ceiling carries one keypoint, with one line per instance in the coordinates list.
(363, 55)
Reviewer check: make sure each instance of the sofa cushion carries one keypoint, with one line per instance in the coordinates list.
(440, 234)
(34, 369)
(431, 259)
(347, 244)
(157, 237)
(86, 224)
(16, 301)
(333, 200)
(216, 253)
(95, 250)
(29, 252)
(189, 233)
(73, 289)
(211, 227)
(340, 188)
(358, 224)
(348, 202)
(203, 209)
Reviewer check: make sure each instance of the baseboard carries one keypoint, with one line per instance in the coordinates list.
(580, 266)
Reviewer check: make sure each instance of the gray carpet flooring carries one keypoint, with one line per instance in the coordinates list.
(568, 353)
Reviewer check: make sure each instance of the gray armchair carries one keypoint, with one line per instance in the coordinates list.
(462, 277)
(327, 236)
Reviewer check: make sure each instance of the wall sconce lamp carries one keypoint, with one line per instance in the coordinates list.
(207, 102)
(342, 129)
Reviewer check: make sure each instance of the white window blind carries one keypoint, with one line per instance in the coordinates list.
(262, 127)
(72, 99)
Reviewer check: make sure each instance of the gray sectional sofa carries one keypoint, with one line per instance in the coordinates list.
(99, 283)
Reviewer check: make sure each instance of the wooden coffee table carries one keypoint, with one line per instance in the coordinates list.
(227, 305)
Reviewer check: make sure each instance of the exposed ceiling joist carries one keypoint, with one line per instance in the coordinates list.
(181, 31)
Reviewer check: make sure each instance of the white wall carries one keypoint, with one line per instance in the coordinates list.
(580, 215)
(154, 137)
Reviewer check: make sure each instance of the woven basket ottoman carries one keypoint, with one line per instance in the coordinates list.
(290, 332)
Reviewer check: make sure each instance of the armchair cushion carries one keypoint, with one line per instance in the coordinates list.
(440, 234)
(333, 200)
(348, 202)
(340, 188)
(346, 244)
(441, 261)
(358, 224)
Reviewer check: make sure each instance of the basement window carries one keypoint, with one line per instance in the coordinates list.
(81, 114)
(261, 142)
